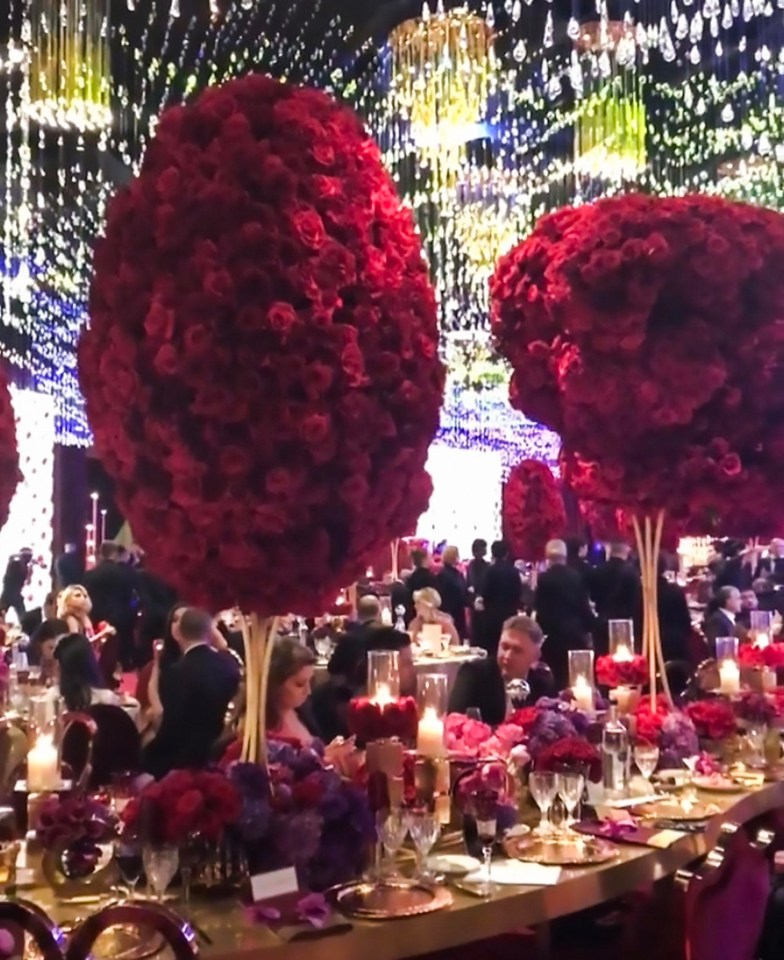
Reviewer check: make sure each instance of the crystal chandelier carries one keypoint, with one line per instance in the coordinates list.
(69, 64)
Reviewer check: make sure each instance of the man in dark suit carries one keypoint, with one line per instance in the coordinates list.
(723, 622)
(616, 591)
(563, 611)
(195, 695)
(501, 595)
(113, 588)
(481, 685)
(451, 586)
(421, 576)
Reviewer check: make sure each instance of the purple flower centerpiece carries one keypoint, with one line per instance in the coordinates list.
(301, 813)
(678, 741)
(556, 720)
(72, 830)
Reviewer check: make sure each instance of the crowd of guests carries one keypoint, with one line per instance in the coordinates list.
(179, 670)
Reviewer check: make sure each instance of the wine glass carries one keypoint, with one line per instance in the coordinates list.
(543, 785)
(425, 830)
(570, 788)
(160, 867)
(486, 814)
(646, 757)
(392, 832)
(128, 858)
(323, 647)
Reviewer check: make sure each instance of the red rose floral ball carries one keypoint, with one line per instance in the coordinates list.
(261, 368)
(647, 331)
(533, 509)
(9, 454)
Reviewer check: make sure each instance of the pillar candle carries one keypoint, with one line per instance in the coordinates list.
(583, 695)
(729, 677)
(42, 770)
(430, 734)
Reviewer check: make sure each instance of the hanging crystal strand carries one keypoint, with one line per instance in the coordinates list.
(174, 9)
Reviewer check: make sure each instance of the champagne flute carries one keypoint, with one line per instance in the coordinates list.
(392, 831)
(425, 830)
(570, 789)
(542, 784)
(486, 814)
(128, 858)
(646, 756)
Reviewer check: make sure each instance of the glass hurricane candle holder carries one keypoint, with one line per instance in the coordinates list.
(761, 627)
(727, 661)
(581, 678)
(383, 676)
(621, 637)
(433, 690)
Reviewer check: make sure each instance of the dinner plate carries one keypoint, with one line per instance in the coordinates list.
(718, 784)
(452, 864)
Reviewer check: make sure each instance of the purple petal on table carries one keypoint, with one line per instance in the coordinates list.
(263, 913)
(313, 909)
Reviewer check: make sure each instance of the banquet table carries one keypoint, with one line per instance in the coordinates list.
(448, 664)
(234, 937)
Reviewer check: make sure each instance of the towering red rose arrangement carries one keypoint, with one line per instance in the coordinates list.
(261, 369)
(10, 474)
(648, 332)
(533, 510)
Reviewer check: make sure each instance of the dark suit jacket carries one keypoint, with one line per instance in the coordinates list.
(563, 612)
(674, 621)
(479, 685)
(420, 579)
(451, 586)
(502, 595)
(113, 589)
(616, 591)
(718, 624)
(196, 692)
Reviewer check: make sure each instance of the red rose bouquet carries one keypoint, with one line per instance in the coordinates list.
(714, 719)
(369, 721)
(261, 369)
(649, 722)
(571, 752)
(184, 806)
(9, 455)
(756, 709)
(533, 509)
(76, 825)
(525, 718)
(770, 656)
(621, 673)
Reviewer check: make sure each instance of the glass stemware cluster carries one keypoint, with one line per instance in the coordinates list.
(545, 787)
(393, 828)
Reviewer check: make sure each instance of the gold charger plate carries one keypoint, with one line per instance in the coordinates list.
(676, 811)
(126, 942)
(389, 900)
(561, 851)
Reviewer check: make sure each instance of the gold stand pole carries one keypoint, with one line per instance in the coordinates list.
(648, 539)
(258, 634)
(394, 547)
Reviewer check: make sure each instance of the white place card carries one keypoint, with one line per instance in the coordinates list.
(276, 883)
(515, 873)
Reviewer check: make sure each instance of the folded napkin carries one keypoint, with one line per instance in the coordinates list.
(516, 873)
(629, 831)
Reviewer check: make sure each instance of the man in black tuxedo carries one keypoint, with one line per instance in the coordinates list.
(452, 588)
(421, 576)
(196, 693)
(563, 611)
(723, 622)
(481, 685)
(616, 592)
(501, 595)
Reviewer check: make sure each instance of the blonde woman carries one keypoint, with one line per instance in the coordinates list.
(74, 606)
(427, 603)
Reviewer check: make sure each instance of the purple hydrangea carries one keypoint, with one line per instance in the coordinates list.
(678, 740)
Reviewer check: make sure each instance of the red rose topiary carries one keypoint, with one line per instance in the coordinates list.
(648, 332)
(533, 509)
(10, 474)
(261, 368)
(622, 673)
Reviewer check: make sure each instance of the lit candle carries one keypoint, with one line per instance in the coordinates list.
(383, 695)
(762, 640)
(769, 679)
(583, 694)
(42, 770)
(623, 653)
(729, 677)
(369, 573)
(430, 734)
